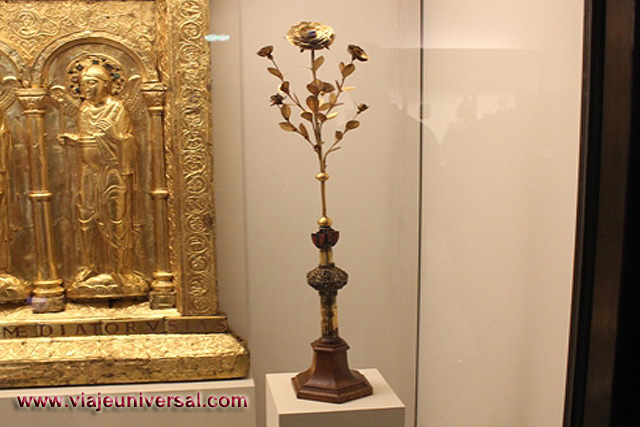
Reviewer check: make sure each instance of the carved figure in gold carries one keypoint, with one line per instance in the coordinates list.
(11, 288)
(105, 198)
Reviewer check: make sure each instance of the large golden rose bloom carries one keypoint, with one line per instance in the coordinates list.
(311, 36)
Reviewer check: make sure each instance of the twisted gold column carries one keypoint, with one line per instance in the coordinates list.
(163, 293)
(48, 294)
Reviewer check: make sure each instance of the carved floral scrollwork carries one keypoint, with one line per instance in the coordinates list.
(34, 24)
(192, 123)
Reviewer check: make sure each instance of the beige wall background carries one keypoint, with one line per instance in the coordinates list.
(267, 198)
(501, 139)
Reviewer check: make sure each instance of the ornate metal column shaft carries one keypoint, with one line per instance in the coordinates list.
(48, 294)
(329, 378)
(327, 279)
(163, 294)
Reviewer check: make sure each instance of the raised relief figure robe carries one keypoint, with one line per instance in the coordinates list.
(105, 197)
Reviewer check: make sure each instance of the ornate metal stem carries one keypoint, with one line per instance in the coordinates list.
(323, 195)
(323, 177)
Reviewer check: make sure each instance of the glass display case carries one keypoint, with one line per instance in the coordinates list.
(150, 204)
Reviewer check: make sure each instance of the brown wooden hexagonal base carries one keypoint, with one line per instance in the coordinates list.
(329, 378)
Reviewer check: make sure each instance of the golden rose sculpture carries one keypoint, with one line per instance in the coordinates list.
(329, 378)
(324, 97)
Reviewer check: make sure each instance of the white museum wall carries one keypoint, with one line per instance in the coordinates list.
(267, 198)
(501, 141)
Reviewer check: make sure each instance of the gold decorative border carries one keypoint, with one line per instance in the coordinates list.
(190, 118)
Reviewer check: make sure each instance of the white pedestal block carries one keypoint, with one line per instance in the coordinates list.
(203, 394)
(382, 409)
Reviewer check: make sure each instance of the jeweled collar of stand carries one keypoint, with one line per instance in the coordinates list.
(325, 239)
(327, 279)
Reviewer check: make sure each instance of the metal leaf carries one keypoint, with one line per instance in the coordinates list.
(352, 124)
(287, 126)
(348, 70)
(328, 87)
(313, 89)
(284, 87)
(286, 111)
(317, 63)
(332, 115)
(312, 102)
(303, 130)
(275, 72)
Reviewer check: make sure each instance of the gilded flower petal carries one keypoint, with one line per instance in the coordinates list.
(357, 52)
(277, 99)
(266, 52)
(311, 36)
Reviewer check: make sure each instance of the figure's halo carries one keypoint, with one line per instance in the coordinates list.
(112, 66)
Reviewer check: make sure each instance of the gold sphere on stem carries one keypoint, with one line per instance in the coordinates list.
(322, 176)
(325, 221)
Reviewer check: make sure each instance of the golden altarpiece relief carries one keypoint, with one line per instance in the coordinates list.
(107, 252)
